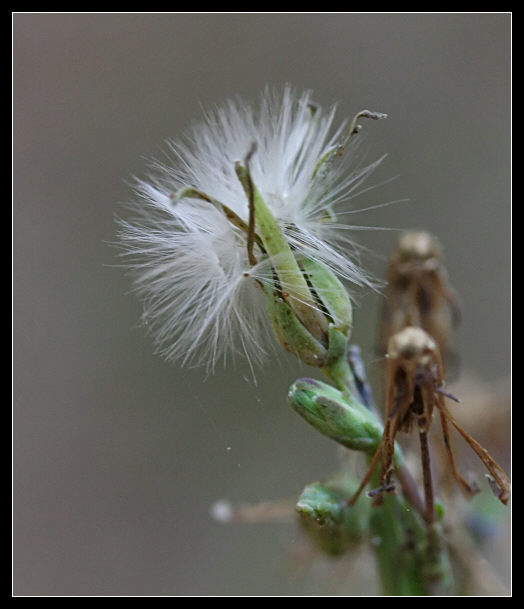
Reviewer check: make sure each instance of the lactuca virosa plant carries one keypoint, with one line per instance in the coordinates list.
(238, 242)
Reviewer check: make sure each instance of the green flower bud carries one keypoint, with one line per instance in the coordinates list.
(333, 525)
(336, 415)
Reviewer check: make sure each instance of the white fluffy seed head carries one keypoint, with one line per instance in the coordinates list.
(191, 267)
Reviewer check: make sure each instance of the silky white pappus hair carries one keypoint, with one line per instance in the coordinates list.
(190, 263)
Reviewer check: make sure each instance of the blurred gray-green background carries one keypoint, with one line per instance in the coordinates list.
(118, 456)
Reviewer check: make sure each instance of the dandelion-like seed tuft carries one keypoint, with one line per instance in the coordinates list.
(248, 201)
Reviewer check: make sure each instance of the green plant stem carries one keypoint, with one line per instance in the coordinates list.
(411, 556)
(397, 559)
(339, 371)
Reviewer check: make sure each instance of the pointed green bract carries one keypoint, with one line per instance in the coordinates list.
(290, 331)
(333, 304)
(332, 296)
(294, 287)
(308, 306)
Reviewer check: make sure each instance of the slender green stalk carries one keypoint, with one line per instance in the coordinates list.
(395, 547)
(411, 555)
(339, 371)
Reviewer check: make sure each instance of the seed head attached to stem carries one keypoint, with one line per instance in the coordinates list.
(248, 203)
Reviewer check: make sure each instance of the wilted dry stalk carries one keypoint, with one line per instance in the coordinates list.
(414, 388)
(421, 308)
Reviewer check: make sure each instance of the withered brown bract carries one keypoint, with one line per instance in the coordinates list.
(414, 388)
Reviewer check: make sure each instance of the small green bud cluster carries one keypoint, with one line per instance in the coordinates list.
(325, 514)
